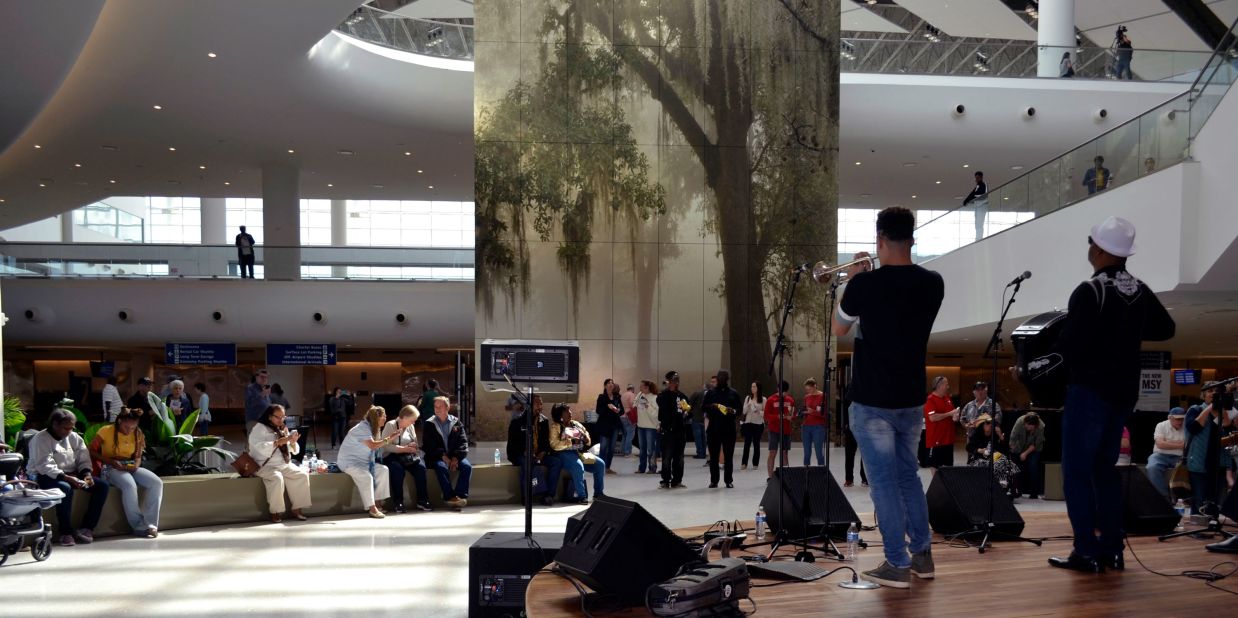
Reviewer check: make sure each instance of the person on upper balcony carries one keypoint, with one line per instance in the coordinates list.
(1125, 51)
(1097, 178)
(1066, 68)
(979, 192)
(245, 252)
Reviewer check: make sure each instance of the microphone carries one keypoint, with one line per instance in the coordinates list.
(1027, 274)
(802, 268)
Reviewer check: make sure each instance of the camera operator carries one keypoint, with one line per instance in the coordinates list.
(1205, 459)
(1124, 53)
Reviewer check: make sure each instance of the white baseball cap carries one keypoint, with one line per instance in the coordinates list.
(1115, 235)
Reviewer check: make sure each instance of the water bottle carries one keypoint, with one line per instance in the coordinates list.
(498, 459)
(853, 541)
(760, 525)
(313, 463)
(1182, 510)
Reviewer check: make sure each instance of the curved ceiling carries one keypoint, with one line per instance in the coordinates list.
(271, 87)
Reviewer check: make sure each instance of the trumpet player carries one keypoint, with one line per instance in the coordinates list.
(892, 310)
(722, 405)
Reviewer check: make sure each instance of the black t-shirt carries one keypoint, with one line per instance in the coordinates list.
(896, 307)
(719, 421)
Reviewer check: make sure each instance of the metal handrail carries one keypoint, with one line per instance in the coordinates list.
(428, 37)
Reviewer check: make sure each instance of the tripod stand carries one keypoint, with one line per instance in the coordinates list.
(986, 527)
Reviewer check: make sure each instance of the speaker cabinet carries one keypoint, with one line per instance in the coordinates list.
(501, 565)
(616, 547)
(958, 501)
(795, 502)
(1144, 509)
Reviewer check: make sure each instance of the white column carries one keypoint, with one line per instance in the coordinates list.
(339, 232)
(281, 222)
(66, 227)
(1055, 35)
(214, 221)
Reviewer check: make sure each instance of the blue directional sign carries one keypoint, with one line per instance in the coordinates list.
(300, 353)
(200, 353)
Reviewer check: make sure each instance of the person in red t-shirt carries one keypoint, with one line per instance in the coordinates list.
(939, 417)
(812, 431)
(779, 432)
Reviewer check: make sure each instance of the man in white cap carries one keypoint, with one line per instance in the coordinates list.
(1109, 315)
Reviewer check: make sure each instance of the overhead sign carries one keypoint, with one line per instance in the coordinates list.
(200, 353)
(1154, 359)
(300, 353)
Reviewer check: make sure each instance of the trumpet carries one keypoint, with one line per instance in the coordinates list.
(822, 272)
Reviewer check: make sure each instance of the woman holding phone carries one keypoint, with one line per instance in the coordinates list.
(117, 454)
(271, 443)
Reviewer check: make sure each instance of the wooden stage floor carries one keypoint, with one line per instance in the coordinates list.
(1010, 579)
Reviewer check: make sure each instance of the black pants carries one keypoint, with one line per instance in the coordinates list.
(247, 262)
(673, 445)
(721, 443)
(397, 469)
(850, 446)
(752, 433)
(923, 452)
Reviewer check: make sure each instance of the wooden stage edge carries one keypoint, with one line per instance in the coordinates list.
(1010, 579)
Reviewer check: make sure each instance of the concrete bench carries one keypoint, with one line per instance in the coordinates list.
(226, 498)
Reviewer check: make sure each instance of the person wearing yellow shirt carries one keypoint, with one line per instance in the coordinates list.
(117, 454)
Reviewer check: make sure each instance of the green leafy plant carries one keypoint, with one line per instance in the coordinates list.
(14, 419)
(171, 450)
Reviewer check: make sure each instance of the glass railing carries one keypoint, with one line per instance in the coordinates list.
(136, 261)
(1010, 59)
(445, 38)
(1153, 141)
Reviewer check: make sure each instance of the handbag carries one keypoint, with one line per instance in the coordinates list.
(246, 466)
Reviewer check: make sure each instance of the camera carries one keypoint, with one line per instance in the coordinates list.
(1117, 34)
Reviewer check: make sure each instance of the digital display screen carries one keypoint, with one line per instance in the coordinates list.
(1186, 376)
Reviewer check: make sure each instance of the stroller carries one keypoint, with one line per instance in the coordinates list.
(21, 512)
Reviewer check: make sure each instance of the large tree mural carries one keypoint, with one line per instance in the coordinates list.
(748, 86)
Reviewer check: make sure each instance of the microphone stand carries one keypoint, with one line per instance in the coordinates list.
(526, 477)
(986, 527)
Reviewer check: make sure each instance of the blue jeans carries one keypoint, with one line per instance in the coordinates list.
(461, 490)
(814, 438)
(64, 510)
(888, 440)
(698, 437)
(1031, 474)
(606, 446)
(1159, 465)
(648, 449)
(395, 476)
(1091, 438)
(576, 467)
(140, 516)
(204, 428)
(629, 431)
(1123, 67)
(554, 466)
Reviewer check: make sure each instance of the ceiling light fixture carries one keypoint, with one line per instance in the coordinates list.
(291, 151)
(113, 181)
(109, 147)
(42, 185)
(377, 186)
(431, 186)
(1016, 167)
(171, 148)
(909, 164)
(938, 182)
(913, 197)
(38, 147)
(211, 54)
(418, 171)
(201, 167)
(965, 166)
(77, 165)
(157, 107)
(407, 153)
(330, 185)
(345, 152)
(226, 183)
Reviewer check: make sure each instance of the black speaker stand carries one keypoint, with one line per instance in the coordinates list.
(1214, 528)
(986, 527)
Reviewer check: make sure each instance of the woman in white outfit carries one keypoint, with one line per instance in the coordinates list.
(272, 446)
(358, 458)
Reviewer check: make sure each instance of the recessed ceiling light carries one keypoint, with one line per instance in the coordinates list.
(42, 185)
(857, 163)
(77, 165)
(938, 182)
(345, 152)
(909, 164)
(38, 147)
(377, 186)
(913, 197)
(108, 147)
(1, 200)
(418, 171)
(290, 151)
(227, 183)
(201, 167)
(157, 107)
(1016, 167)
(171, 148)
(1006, 198)
(330, 185)
(112, 181)
(866, 195)
(966, 165)
(407, 153)
(431, 186)
(211, 54)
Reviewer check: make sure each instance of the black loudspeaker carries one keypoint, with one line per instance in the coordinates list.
(794, 502)
(616, 547)
(958, 501)
(501, 565)
(1144, 509)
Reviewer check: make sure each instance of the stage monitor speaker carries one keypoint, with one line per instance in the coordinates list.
(501, 565)
(958, 501)
(1144, 509)
(795, 501)
(617, 547)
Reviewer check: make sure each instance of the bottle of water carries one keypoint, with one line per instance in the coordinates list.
(760, 525)
(313, 463)
(498, 459)
(853, 541)
(1182, 509)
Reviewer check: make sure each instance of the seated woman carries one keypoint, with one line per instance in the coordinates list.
(117, 454)
(979, 453)
(272, 445)
(357, 458)
(402, 455)
(571, 442)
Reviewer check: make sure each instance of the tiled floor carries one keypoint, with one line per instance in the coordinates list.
(405, 565)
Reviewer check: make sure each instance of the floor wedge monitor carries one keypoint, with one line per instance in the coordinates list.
(958, 501)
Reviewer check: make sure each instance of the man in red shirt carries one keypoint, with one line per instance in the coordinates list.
(779, 432)
(939, 417)
(812, 432)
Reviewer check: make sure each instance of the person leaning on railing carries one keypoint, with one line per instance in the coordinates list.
(117, 453)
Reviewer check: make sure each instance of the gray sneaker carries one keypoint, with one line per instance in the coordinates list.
(922, 564)
(890, 576)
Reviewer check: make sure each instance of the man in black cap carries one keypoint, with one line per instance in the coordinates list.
(141, 399)
(722, 405)
(673, 415)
